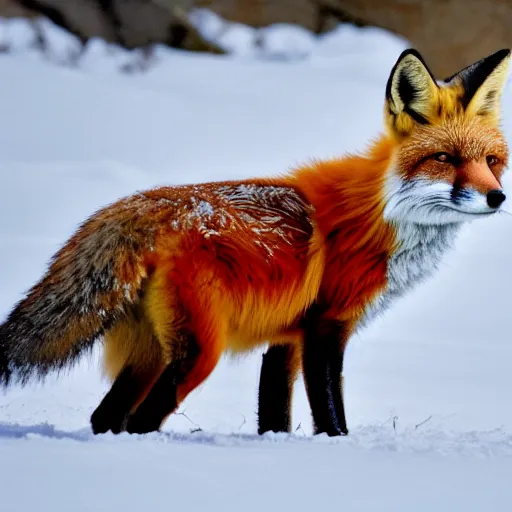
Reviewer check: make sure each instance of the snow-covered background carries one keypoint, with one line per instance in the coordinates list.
(428, 386)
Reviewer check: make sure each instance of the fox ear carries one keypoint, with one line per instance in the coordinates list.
(411, 92)
(483, 83)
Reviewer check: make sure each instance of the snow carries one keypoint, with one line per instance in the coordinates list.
(427, 386)
(283, 41)
(234, 38)
(246, 476)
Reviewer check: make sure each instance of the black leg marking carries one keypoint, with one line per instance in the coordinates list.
(160, 402)
(113, 410)
(275, 390)
(323, 364)
(162, 399)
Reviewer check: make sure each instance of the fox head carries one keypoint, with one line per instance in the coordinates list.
(450, 152)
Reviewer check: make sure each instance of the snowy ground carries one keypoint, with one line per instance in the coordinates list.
(427, 386)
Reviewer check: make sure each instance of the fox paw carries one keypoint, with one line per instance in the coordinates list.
(103, 420)
(142, 424)
(333, 432)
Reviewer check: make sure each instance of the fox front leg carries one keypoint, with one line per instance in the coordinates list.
(324, 343)
(278, 372)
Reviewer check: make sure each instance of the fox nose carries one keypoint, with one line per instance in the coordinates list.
(495, 198)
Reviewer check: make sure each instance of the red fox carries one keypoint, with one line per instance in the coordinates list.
(173, 277)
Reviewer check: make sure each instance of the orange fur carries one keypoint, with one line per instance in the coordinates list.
(348, 195)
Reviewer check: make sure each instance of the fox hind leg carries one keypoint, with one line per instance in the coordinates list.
(198, 356)
(191, 332)
(133, 360)
(114, 409)
(162, 399)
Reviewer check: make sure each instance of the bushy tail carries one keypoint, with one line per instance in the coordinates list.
(89, 283)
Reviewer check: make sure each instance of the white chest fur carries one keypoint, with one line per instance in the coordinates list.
(420, 252)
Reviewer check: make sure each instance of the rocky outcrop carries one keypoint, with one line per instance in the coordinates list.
(13, 9)
(130, 23)
(450, 33)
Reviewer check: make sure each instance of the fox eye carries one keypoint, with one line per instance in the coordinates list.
(491, 160)
(442, 157)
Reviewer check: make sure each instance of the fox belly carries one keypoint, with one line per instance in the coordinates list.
(257, 299)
